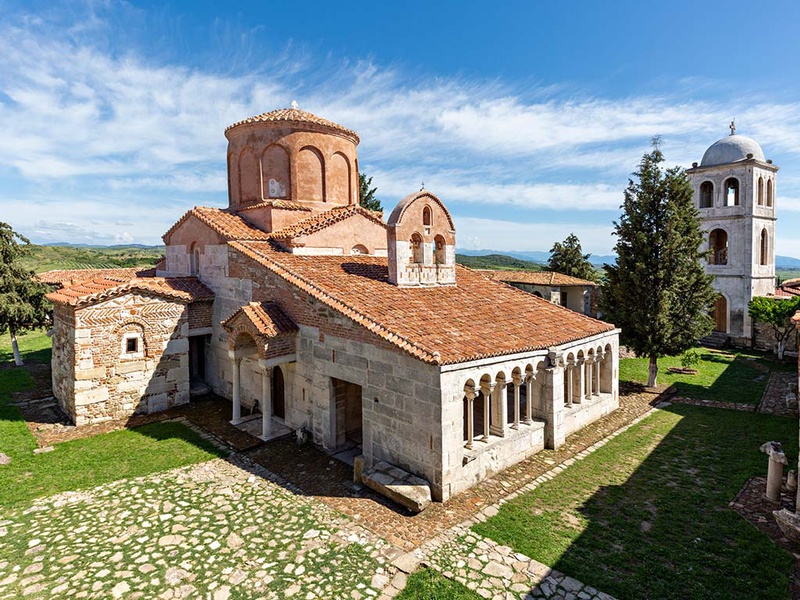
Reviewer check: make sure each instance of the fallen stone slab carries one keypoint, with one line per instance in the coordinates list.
(404, 488)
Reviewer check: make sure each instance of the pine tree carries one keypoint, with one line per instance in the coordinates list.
(657, 292)
(567, 257)
(366, 195)
(22, 302)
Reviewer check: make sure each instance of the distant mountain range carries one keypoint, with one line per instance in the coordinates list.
(598, 260)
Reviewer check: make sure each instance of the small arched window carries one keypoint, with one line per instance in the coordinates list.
(359, 249)
(764, 247)
(426, 216)
(718, 244)
(732, 192)
(769, 192)
(417, 251)
(761, 191)
(706, 194)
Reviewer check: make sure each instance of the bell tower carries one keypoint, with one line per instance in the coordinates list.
(421, 242)
(735, 194)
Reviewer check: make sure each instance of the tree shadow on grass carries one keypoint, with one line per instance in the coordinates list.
(665, 530)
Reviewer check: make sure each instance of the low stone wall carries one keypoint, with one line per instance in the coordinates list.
(580, 415)
(764, 339)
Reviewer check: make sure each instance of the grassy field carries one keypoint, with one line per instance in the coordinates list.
(646, 515)
(48, 258)
(86, 462)
(726, 376)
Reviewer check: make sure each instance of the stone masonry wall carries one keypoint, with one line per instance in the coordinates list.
(764, 338)
(63, 357)
(111, 382)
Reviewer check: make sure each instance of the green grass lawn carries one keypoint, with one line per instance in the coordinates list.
(724, 376)
(35, 345)
(86, 462)
(646, 515)
(427, 584)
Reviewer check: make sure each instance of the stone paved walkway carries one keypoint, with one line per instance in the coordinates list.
(215, 530)
(780, 397)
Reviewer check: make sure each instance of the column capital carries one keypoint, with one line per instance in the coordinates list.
(516, 378)
(469, 392)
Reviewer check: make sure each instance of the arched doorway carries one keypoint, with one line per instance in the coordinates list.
(720, 315)
(278, 394)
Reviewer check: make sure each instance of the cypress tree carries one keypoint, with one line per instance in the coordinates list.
(657, 292)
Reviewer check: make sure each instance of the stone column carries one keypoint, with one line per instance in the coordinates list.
(569, 373)
(469, 392)
(529, 382)
(236, 395)
(266, 399)
(517, 379)
(598, 366)
(552, 395)
(499, 409)
(486, 388)
(580, 366)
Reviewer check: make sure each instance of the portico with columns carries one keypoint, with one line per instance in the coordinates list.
(263, 335)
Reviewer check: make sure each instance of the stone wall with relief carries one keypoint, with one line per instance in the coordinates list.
(126, 355)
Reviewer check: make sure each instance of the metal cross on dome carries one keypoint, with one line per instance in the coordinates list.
(295, 105)
(733, 126)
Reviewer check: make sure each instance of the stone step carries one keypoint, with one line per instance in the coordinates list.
(404, 488)
(716, 339)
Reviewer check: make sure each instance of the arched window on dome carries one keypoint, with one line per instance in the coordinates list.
(706, 194)
(359, 249)
(417, 251)
(731, 192)
(764, 254)
(769, 192)
(718, 244)
(761, 191)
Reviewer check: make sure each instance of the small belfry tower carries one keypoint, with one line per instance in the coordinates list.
(734, 191)
(421, 242)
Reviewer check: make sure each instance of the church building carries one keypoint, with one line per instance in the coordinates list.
(735, 194)
(310, 313)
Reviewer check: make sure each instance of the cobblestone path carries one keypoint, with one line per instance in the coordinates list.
(214, 530)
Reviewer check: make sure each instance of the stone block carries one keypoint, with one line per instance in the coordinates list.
(129, 366)
(90, 374)
(178, 374)
(177, 346)
(91, 396)
(404, 490)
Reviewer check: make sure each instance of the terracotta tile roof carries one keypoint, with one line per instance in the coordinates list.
(535, 277)
(267, 318)
(474, 319)
(228, 225)
(789, 288)
(183, 289)
(62, 276)
(325, 219)
(282, 204)
(295, 115)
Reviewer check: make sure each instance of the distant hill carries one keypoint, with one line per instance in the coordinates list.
(500, 262)
(598, 260)
(68, 256)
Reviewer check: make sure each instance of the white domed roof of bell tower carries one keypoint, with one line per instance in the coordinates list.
(731, 149)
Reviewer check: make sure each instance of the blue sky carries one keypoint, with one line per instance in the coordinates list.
(526, 118)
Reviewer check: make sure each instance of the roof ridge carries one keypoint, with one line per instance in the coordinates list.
(432, 357)
(295, 115)
(324, 219)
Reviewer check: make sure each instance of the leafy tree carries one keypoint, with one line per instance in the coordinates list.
(777, 313)
(567, 257)
(366, 194)
(22, 302)
(657, 291)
